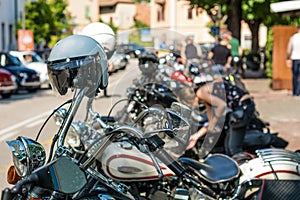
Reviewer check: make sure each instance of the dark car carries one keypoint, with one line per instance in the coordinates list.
(26, 79)
(7, 84)
(118, 61)
(132, 49)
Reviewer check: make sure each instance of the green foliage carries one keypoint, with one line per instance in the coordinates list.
(111, 25)
(48, 20)
(140, 24)
(269, 52)
(209, 4)
(135, 37)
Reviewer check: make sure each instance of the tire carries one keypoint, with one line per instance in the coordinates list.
(6, 96)
(32, 90)
(123, 68)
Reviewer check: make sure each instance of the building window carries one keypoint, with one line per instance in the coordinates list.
(161, 13)
(87, 12)
(190, 13)
(158, 15)
(10, 35)
(3, 36)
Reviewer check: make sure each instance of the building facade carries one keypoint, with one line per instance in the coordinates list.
(10, 12)
(120, 13)
(180, 16)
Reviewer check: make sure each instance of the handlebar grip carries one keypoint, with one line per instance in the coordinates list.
(7, 194)
(172, 164)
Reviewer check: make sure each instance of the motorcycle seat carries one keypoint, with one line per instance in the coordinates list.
(216, 168)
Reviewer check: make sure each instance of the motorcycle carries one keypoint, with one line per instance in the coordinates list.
(63, 175)
(218, 176)
(126, 158)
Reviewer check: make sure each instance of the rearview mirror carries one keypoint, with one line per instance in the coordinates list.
(61, 175)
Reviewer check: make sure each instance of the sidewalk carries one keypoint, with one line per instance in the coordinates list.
(279, 108)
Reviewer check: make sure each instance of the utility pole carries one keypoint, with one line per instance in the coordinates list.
(23, 15)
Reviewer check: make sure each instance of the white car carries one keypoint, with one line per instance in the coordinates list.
(32, 60)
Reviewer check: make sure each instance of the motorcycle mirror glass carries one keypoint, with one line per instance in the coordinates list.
(176, 145)
(181, 109)
(61, 175)
(59, 116)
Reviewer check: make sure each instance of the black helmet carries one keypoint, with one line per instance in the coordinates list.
(148, 63)
(77, 62)
(148, 56)
(194, 68)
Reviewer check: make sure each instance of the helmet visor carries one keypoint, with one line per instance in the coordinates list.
(75, 73)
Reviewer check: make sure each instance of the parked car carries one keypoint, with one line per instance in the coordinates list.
(118, 61)
(33, 61)
(7, 84)
(132, 49)
(26, 78)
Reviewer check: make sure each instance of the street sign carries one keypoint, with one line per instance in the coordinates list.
(25, 40)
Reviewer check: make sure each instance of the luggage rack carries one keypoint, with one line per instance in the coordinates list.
(272, 155)
(275, 154)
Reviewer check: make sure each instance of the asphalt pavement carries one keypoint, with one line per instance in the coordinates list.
(279, 108)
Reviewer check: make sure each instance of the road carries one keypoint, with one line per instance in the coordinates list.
(24, 113)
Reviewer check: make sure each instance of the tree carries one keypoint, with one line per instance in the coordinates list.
(48, 20)
(253, 12)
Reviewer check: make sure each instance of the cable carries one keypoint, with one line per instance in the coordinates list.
(44, 124)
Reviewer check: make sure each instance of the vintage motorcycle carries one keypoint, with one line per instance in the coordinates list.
(63, 176)
(217, 176)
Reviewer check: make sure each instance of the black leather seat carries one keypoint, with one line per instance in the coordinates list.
(215, 168)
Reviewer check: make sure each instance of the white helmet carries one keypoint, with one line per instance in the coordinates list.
(103, 34)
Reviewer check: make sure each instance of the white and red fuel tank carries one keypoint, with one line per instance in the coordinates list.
(123, 161)
(272, 164)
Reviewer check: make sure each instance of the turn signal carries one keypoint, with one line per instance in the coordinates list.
(12, 176)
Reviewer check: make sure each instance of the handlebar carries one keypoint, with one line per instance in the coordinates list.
(8, 194)
(109, 130)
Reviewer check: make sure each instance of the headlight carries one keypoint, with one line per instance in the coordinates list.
(74, 132)
(22, 75)
(28, 155)
(137, 52)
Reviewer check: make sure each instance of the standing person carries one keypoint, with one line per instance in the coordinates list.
(221, 56)
(236, 51)
(293, 61)
(191, 51)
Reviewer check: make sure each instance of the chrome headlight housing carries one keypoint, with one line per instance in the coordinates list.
(73, 135)
(28, 155)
